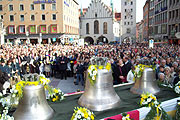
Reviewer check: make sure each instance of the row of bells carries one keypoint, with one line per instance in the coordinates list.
(98, 97)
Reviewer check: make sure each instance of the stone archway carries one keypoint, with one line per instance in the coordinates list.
(89, 40)
(102, 39)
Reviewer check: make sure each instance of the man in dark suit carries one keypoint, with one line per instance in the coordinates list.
(63, 66)
(79, 73)
(127, 65)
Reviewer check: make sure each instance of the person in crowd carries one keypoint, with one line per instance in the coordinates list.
(168, 63)
(175, 65)
(161, 77)
(63, 66)
(47, 66)
(122, 71)
(177, 78)
(79, 73)
(168, 79)
(127, 67)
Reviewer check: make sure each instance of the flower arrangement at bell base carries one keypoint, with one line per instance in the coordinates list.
(5, 106)
(55, 95)
(139, 69)
(4, 115)
(126, 116)
(156, 112)
(177, 116)
(177, 88)
(82, 114)
(93, 71)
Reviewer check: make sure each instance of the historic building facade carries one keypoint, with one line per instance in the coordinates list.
(40, 21)
(98, 23)
(174, 21)
(151, 19)
(139, 32)
(146, 21)
(160, 20)
(128, 20)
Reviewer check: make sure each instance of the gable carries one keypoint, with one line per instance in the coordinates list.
(97, 9)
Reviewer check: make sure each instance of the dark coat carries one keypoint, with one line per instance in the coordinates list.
(127, 66)
(176, 80)
(63, 63)
(80, 69)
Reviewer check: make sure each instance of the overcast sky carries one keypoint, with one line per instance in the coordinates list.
(139, 6)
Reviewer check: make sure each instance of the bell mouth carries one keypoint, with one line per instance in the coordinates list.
(32, 87)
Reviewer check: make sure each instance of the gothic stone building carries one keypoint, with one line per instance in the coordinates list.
(98, 23)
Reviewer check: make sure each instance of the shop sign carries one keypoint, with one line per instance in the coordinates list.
(44, 1)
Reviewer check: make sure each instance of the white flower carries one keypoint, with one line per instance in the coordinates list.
(1, 94)
(79, 116)
(6, 85)
(177, 90)
(93, 78)
(94, 72)
(137, 70)
(4, 92)
(92, 67)
(13, 95)
(149, 99)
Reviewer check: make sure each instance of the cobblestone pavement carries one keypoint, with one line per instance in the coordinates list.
(66, 86)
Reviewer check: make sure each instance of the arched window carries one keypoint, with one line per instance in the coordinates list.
(87, 28)
(105, 28)
(96, 27)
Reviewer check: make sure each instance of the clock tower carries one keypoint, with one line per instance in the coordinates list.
(128, 20)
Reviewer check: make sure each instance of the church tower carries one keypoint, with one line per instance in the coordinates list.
(128, 20)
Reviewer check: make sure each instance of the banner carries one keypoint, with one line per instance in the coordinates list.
(81, 42)
(151, 43)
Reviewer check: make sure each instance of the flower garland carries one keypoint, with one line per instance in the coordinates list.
(82, 114)
(157, 112)
(126, 116)
(177, 88)
(4, 115)
(139, 69)
(56, 95)
(93, 71)
(5, 104)
(178, 111)
(148, 100)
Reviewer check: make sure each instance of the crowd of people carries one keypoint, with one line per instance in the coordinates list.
(64, 61)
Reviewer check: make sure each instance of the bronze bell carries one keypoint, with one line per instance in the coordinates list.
(33, 105)
(147, 83)
(100, 96)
